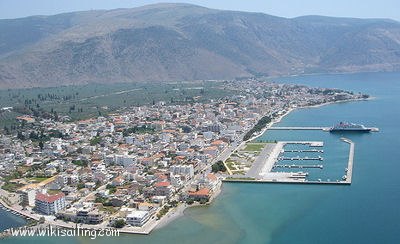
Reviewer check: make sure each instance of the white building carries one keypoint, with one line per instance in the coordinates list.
(186, 170)
(125, 160)
(49, 204)
(129, 140)
(138, 218)
(28, 197)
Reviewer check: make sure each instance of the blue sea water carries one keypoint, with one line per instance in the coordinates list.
(365, 212)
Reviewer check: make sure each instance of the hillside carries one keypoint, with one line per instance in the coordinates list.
(166, 42)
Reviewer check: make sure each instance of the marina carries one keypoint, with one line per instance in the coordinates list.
(298, 158)
(327, 129)
(270, 162)
(298, 166)
(311, 150)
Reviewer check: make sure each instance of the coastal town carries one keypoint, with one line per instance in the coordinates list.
(138, 167)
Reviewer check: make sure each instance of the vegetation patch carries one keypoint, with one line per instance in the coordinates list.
(218, 166)
(257, 147)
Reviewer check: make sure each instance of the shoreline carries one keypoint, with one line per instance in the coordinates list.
(178, 211)
(279, 118)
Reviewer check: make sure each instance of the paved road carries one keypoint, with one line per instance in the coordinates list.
(260, 161)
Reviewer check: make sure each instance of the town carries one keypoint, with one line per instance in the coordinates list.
(133, 169)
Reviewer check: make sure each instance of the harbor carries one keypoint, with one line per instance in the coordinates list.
(271, 161)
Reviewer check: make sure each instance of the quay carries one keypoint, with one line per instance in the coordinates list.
(310, 143)
(372, 129)
(298, 158)
(281, 181)
(298, 166)
(299, 128)
(307, 150)
(349, 170)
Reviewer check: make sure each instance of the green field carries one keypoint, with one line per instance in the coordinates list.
(85, 101)
(255, 147)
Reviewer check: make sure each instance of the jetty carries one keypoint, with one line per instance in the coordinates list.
(349, 170)
(299, 128)
(307, 150)
(372, 129)
(298, 166)
(298, 158)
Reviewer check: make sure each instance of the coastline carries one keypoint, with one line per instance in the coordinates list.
(279, 119)
(178, 211)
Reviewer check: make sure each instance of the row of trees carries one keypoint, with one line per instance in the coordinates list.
(257, 128)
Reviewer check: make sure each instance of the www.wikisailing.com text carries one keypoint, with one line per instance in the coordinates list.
(51, 231)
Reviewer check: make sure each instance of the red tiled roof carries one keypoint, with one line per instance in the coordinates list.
(49, 198)
(201, 192)
(212, 177)
(217, 142)
(162, 184)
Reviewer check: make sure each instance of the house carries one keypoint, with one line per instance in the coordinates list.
(118, 181)
(138, 218)
(49, 204)
(202, 194)
(212, 150)
(87, 216)
(163, 188)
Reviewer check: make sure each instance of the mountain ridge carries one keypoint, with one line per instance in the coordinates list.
(164, 42)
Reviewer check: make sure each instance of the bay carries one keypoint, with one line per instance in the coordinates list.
(365, 212)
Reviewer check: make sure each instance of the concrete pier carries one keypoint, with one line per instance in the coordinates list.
(299, 128)
(372, 129)
(298, 158)
(309, 150)
(298, 166)
(349, 169)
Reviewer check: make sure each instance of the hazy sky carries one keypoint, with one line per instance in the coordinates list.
(284, 8)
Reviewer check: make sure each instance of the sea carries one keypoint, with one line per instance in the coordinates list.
(367, 211)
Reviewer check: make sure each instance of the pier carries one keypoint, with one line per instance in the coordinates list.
(298, 158)
(299, 128)
(349, 170)
(307, 150)
(298, 166)
(372, 129)
(310, 143)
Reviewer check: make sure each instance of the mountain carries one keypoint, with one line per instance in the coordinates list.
(164, 42)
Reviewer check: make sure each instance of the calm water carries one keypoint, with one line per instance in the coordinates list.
(365, 212)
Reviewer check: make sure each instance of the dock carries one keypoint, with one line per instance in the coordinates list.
(372, 129)
(349, 170)
(320, 166)
(298, 158)
(266, 175)
(299, 128)
(307, 150)
(310, 143)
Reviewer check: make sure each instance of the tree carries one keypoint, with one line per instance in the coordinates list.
(20, 136)
(119, 223)
(41, 145)
(218, 166)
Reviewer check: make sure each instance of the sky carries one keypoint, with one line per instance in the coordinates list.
(284, 8)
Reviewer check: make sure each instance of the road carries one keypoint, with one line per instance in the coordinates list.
(260, 161)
